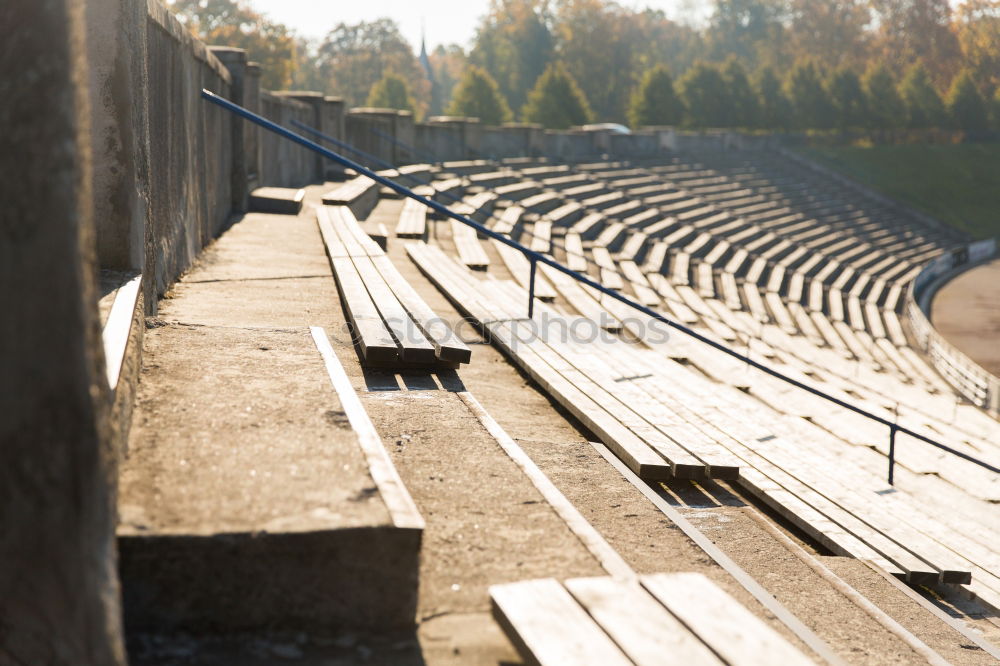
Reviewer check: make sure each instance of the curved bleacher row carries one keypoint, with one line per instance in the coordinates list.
(808, 276)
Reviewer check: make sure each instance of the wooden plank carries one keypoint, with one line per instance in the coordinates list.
(448, 347)
(548, 627)
(470, 252)
(412, 220)
(509, 219)
(589, 226)
(118, 328)
(680, 268)
(780, 313)
(576, 258)
(374, 339)
(413, 344)
(681, 311)
(520, 267)
(580, 299)
(641, 288)
(733, 632)
(639, 624)
(632, 451)
(541, 236)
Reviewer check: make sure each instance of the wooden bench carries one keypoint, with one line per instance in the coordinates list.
(518, 191)
(661, 618)
(412, 220)
(470, 251)
(543, 202)
(392, 325)
(520, 267)
(360, 194)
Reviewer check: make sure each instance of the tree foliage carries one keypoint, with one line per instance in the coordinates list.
(966, 106)
(744, 108)
(556, 101)
(705, 95)
(885, 108)
(850, 106)
(478, 95)
(233, 23)
(924, 107)
(771, 64)
(514, 44)
(811, 105)
(655, 102)
(352, 58)
(775, 109)
(390, 92)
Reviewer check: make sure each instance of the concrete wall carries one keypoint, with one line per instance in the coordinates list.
(283, 163)
(373, 131)
(58, 586)
(190, 147)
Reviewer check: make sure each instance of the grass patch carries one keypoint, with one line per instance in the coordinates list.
(958, 184)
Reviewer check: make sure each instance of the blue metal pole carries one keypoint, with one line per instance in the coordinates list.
(536, 257)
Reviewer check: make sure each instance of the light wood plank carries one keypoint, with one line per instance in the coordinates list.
(733, 632)
(639, 624)
(548, 627)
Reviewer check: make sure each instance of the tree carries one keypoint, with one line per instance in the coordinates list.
(390, 93)
(704, 93)
(514, 44)
(885, 108)
(655, 102)
(966, 106)
(977, 25)
(556, 101)
(751, 30)
(924, 107)
(354, 57)
(744, 107)
(233, 23)
(811, 105)
(917, 31)
(848, 99)
(478, 95)
(775, 109)
(832, 31)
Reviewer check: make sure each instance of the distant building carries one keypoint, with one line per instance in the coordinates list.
(437, 101)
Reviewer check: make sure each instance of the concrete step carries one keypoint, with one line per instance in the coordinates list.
(256, 494)
(280, 200)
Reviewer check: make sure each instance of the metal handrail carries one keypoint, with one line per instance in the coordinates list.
(536, 257)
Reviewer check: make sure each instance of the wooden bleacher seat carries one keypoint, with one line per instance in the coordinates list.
(360, 194)
(393, 327)
(412, 220)
(677, 618)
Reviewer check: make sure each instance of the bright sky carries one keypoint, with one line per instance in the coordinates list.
(446, 21)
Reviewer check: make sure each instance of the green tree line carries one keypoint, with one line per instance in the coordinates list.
(769, 64)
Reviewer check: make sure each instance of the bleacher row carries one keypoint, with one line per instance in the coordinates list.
(659, 408)
(805, 275)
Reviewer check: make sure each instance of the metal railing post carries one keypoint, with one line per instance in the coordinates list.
(892, 452)
(531, 288)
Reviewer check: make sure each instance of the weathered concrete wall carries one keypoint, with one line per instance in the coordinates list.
(190, 147)
(283, 163)
(118, 88)
(513, 140)
(235, 61)
(372, 131)
(58, 587)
